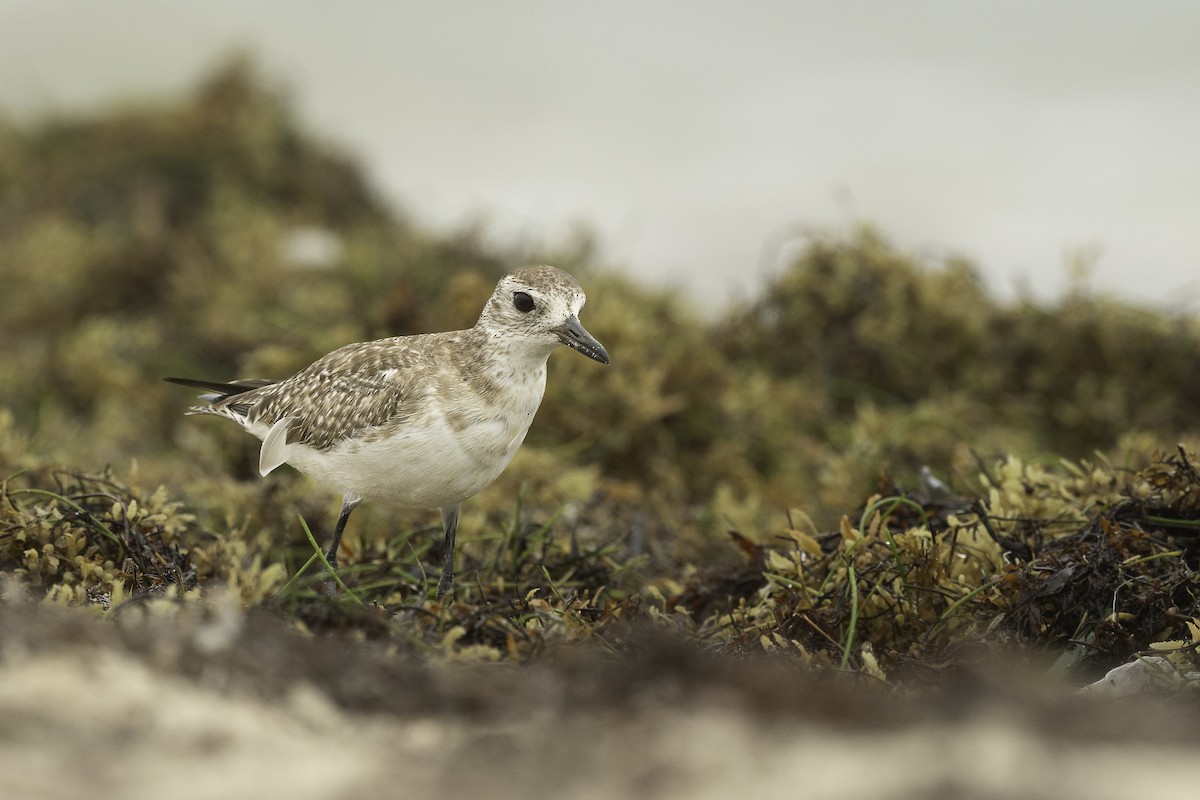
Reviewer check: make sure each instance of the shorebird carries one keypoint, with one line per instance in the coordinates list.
(423, 421)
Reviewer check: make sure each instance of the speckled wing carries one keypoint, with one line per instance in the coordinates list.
(354, 388)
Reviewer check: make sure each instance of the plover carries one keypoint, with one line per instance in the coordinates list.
(423, 421)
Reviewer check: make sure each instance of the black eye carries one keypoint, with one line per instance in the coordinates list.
(523, 302)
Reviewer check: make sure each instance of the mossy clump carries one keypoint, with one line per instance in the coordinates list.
(81, 539)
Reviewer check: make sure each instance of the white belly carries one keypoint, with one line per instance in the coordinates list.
(431, 465)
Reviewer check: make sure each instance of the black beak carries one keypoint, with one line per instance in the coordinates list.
(573, 335)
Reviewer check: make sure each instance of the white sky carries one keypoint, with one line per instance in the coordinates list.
(698, 138)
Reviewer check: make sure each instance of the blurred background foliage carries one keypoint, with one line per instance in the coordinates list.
(215, 237)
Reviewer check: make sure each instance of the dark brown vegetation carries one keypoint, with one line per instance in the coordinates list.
(747, 484)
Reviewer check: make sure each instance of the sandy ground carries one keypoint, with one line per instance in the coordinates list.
(164, 704)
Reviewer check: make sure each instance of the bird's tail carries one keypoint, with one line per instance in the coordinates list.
(217, 393)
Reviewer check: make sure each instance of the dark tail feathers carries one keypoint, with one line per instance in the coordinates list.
(221, 390)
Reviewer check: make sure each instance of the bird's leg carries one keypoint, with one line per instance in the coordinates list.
(348, 505)
(450, 525)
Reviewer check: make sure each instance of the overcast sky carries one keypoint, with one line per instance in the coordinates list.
(700, 138)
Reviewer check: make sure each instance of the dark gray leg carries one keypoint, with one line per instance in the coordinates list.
(348, 505)
(331, 554)
(450, 525)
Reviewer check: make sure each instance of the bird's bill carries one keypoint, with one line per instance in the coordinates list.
(574, 336)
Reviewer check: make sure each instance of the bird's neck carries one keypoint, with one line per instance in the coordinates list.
(512, 364)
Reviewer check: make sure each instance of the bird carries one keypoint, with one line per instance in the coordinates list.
(421, 421)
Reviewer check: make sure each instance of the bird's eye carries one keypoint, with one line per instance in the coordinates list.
(523, 302)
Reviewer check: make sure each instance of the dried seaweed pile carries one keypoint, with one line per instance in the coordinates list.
(93, 540)
(1087, 562)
